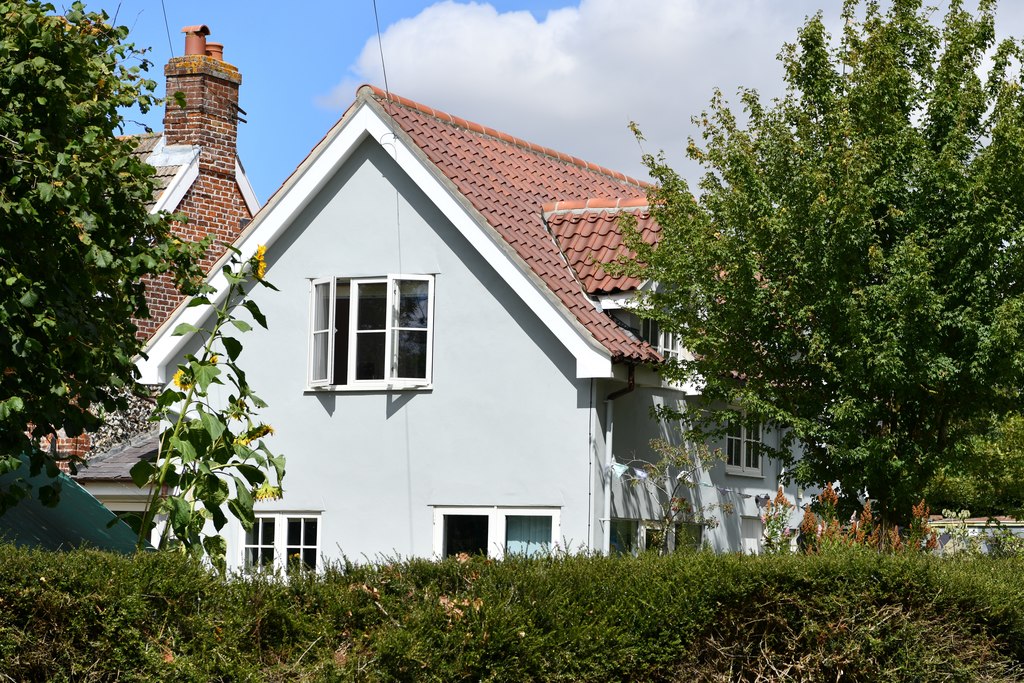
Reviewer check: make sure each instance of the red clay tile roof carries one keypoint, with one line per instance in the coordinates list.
(508, 181)
(588, 234)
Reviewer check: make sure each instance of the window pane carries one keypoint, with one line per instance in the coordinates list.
(321, 306)
(754, 455)
(372, 306)
(688, 536)
(309, 531)
(342, 303)
(733, 448)
(294, 532)
(320, 340)
(411, 354)
(527, 534)
(309, 558)
(413, 303)
(465, 534)
(623, 536)
(370, 355)
(321, 331)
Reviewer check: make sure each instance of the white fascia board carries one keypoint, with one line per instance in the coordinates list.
(245, 187)
(304, 185)
(617, 301)
(179, 185)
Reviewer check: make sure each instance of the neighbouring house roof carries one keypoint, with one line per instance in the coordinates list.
(115, 463)
(145, 144)
(78, 519)
(508, 181)
(588, 235)
(176, 169)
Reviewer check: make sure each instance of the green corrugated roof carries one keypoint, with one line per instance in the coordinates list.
(78, 520)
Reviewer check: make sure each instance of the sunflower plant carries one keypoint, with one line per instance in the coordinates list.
(212, 458)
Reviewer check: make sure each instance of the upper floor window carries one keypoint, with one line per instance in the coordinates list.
(743, 448)
(668, 344)
(371, 332)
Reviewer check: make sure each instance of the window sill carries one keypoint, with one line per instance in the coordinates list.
(369, 387)
(749, 474)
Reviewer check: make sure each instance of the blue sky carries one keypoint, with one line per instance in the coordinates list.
(566, 74)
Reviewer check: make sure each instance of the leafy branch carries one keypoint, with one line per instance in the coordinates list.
(212, 455)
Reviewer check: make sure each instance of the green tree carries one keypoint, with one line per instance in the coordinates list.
(989, 480)
(76, 238)
(852, 268)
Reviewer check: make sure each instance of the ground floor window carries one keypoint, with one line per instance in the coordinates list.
(625, 537)
(494, 531)
(629, 536)
(283, 541)
(751, 533)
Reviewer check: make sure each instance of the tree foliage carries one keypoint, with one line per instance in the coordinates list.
(852, 268)
(212, 453)
(989, 480)
(76, 237)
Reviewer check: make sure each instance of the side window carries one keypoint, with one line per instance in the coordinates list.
(371, 332)
(625, 536)
(668, 344)
(743, 448)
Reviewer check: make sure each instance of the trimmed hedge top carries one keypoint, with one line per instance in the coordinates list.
(90, 616)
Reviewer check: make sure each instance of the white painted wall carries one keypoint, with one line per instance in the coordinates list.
(506, 423)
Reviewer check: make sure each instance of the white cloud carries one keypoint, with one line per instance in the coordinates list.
(574, 79)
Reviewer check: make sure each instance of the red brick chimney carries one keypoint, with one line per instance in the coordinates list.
(207, 116)
(201, 112)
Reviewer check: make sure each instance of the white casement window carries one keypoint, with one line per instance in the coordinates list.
(743, 449)
(371, 332)
(283, 542)
(495, 531)
(668, 344)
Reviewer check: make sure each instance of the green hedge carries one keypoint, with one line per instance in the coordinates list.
(89, 616)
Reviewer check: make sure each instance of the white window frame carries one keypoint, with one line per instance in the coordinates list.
(668, 344)
(391, 380)
(280, 544)
(751, 543)
(745, 442)
(497, 524)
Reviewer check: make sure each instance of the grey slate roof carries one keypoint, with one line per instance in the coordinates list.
(146, 143)
(115, 464)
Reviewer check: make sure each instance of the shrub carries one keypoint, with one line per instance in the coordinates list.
(853, 613)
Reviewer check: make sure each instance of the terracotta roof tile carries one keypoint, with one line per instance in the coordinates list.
(509, 181)
(588, 234)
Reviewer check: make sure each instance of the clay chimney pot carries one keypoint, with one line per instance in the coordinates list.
(215, 50)
(195, 39)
